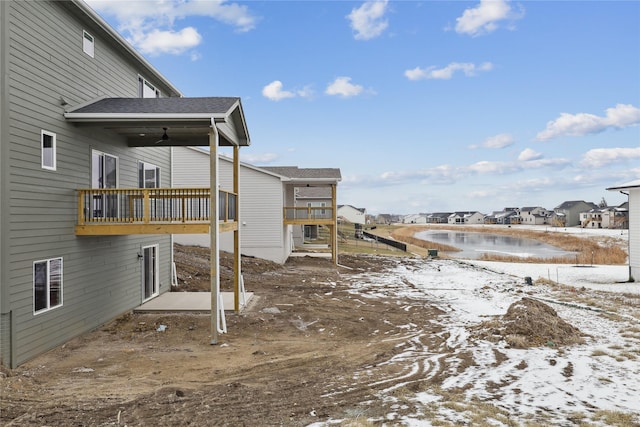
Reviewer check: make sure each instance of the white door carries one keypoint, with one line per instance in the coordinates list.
(104, 174)
(149, 272)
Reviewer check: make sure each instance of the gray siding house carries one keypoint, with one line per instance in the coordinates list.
(263, 233)
(567, 214)
(273, 210)
(86, 125)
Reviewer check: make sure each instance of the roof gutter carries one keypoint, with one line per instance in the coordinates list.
(205, 118)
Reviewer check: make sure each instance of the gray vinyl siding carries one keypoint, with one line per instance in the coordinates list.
(261, 223)
(260, 206)
(191, 167)
(102, 275)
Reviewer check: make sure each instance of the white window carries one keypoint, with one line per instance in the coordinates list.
(47, 284)
(88, 44)
(146, 89)
(148, 175)
(48, 149)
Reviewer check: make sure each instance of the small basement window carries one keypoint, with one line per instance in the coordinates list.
(47, 284)
(88, 44)
(48, 150)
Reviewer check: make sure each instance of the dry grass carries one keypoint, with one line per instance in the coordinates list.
(588, 250)
(618, 419)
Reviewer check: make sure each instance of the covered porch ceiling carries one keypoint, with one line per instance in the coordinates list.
(158, 122)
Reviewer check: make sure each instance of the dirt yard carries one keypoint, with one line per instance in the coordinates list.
(307, 349)
(301, 336)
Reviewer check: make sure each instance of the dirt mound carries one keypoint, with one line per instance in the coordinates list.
(531, 323)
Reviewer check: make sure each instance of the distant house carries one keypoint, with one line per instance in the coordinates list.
(352, 214)
(534, 215)
(414, 219)
(466, 218)
(310, 201)
(632, 189)
(438, 217)
(606, 217)
(312, 197)
(383, 219)
(264, 231)
(568, 213)
(506, 216)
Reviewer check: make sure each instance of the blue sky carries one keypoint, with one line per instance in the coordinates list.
(424, 106)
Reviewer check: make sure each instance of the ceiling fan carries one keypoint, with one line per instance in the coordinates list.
(164, 137)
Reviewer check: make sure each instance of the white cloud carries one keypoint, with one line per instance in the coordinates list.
(258, 159)
(528, 154)
(342, 86)
(158, 42)
(447, 72)
(599, 157)
(368, 21)
(274, 91)
(620, 116)
(499, 141)
(149, 24)
(485, 17)
(486, 167)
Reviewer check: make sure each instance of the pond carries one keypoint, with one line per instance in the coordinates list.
(474, 245)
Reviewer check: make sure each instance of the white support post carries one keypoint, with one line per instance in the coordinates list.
(214, 211)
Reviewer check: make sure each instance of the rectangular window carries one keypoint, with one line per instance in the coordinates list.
(146, 89)
(88, 45)
(47, 284)
(48, 149)
(148, 175)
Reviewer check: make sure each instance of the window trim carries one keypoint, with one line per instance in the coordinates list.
(88, 44)
(48, 307)
(43, 134)
(141, 179)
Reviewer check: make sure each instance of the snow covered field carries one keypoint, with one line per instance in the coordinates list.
(596, 383)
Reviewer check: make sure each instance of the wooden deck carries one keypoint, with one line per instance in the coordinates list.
(127, 211)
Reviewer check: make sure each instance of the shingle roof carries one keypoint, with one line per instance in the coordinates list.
(305, 173)
(205, 105)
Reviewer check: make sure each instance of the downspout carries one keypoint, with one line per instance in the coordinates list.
(214, 210)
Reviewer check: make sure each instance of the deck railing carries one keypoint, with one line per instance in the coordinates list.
(308, 213)
(151, 205)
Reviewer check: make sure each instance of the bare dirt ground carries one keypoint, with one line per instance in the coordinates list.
(306, 350)
(298, 340)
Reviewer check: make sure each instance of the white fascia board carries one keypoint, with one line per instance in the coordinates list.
(632, 184)
(133, 117)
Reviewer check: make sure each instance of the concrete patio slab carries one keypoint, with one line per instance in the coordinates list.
(190, 302)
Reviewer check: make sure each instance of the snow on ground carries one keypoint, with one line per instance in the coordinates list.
(537, 386)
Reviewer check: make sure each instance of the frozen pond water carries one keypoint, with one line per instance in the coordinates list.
(473, 245)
